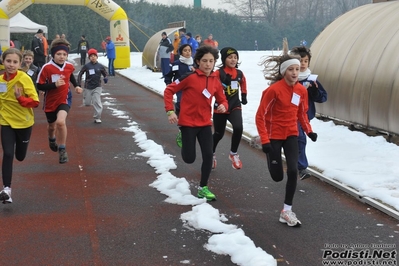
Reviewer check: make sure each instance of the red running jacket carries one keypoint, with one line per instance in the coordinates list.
(281, 107)
(196, 101)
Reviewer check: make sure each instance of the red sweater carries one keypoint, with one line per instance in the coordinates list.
(196, 101)
(281, 107)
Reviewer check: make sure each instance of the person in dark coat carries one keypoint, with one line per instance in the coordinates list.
(38, 49)
(165, 48)
(83, 47)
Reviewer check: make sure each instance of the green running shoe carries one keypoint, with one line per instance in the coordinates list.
(205, 193)
(178, 140)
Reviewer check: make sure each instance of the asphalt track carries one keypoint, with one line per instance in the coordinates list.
(98, 209)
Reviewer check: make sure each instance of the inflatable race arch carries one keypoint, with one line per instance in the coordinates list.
(119, 27)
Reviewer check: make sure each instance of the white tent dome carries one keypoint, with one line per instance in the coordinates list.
(356, 60)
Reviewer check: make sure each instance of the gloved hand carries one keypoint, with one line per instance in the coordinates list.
(313, 136)
(267, 148)
(105, 80)
(313, 90)
(244, 98)
(227, 80)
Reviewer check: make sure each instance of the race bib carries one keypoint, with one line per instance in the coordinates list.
(30, 72)
(55, 77)
(3, 87)
(295, 99)
(234, 85)
(206, 93)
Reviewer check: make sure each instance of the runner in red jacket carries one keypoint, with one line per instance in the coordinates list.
(198, 89)
(283, 104)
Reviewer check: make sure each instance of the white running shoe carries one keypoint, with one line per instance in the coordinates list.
(289, 217)
(97, 121)
(5, 195)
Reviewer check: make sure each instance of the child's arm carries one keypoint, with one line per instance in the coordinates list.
(80, 74)
(104, 73)
(78, 89)
(317, 93)
(243, 86)
(25, 101)
(168, 77)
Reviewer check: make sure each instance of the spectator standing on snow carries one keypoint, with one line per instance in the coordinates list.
(165, 49)
(83, 47)
(192, 42)
(111, 55)
(38, 49)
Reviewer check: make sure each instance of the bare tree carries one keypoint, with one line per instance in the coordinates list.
(270, 9)
(245, 8)
(278, 12)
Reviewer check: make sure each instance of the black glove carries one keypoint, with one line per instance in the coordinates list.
(313, 136)
(105, 80)
(244, 98)
(267, 148)
(313, 90)
(227, 80)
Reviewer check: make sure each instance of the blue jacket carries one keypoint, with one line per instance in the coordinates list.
(177, 70)
(315, 95)
(183, 40)
(194, 45)
(110, 50)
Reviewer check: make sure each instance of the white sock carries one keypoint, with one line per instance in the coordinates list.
(232, 153)
(287, 207)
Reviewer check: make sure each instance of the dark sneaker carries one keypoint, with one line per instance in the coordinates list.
(5, 195)
(53, 145)
(63, 156)
(303, 174)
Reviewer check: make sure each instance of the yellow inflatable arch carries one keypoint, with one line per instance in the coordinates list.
(119, 27)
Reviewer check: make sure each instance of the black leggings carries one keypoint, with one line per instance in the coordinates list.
(13, 140)
(274, 161)
(188, 152)
(219, 125)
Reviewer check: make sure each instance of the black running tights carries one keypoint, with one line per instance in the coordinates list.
(275, 164)
(188, 152)
(219, 125)
(13, 140)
